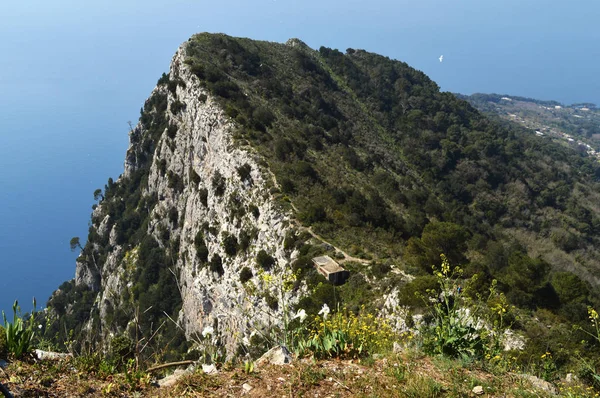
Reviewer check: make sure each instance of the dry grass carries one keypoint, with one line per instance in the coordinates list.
(405, 375)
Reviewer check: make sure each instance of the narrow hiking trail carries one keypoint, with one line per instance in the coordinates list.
(346, 258)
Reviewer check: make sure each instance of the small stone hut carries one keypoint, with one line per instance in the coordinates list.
(331, 270)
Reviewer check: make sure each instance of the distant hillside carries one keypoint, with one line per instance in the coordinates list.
(576, 126)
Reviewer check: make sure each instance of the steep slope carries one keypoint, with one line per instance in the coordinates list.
(247, 150)
(190, 212)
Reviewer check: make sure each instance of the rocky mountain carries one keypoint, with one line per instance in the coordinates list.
(251, 158)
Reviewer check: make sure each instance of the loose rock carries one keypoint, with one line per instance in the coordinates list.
(43, 355)
(246, 387)
(541, 384)
(172, 379)
(209, 369)
(276, 356)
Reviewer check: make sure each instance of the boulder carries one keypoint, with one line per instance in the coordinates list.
(540, 384)
(49, 355)
(276, 356)
(171, 379)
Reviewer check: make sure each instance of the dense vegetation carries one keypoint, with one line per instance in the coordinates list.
(378, 161)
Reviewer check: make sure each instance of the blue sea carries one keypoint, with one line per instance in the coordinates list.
(72, 74)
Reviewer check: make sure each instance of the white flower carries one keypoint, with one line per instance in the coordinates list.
(325, 311)
(208, 330)
(246, 341)
(40, 326)
(300, 314)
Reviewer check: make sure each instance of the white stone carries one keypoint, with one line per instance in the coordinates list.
(48, 355)
(276, 356)
(208, 369)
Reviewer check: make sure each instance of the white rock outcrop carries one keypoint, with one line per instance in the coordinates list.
(202, 150)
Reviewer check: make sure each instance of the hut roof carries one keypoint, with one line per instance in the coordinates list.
(327, 264)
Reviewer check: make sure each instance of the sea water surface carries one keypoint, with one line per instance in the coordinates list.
(72, 74)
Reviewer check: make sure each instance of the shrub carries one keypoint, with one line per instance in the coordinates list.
(216, 265)
(172, 131)
(302, 264)
(172, 87)
(272, 302)
(263, 116)
(305, 169)
(264, 260)
(204, 197)
(121, 350)
(283, 148)
(3, 346)
(195, 177)
(245, 275)
(218, 184)
(245, 239)
(175, 181)
(164, 79)
(379, 270)
(244, 172)
(412, 293)
(287, 185)
(201, 249)
(173, 216)
(254, 210)
(162, 166)
(230, 244)
(314, 213)
(177, 106)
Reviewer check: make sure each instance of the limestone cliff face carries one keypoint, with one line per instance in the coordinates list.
(201, 181)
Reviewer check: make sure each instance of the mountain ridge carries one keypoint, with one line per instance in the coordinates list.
(243, 138)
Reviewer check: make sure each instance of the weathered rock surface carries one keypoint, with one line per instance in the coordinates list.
(540, 384)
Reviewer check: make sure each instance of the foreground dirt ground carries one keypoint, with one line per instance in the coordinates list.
(395, 376)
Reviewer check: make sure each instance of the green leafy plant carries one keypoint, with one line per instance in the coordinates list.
(136, 378)
(248, 367)
(398, 372)
(460, 326)
(121, 350)
(19, 333)
(589, 370)
(452, 331)
(547, 367)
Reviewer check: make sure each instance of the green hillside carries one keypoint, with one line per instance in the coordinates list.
(372, 157)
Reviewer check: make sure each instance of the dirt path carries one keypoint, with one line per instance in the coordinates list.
(347, 257)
